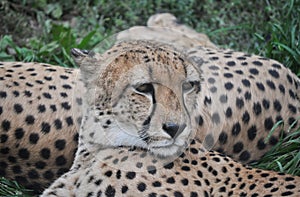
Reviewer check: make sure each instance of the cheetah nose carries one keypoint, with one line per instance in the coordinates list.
(173, 129)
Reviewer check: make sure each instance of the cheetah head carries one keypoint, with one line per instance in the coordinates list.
(139, 94)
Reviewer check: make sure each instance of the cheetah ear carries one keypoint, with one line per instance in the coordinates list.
(89, 63)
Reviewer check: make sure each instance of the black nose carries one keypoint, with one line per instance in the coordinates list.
(173, 129)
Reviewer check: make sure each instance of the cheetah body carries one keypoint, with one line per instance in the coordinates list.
(242, 97)
(102, 168)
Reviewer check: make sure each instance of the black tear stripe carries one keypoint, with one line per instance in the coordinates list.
(146, 124)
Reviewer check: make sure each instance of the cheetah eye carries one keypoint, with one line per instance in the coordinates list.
(146, 88)
(188, 86)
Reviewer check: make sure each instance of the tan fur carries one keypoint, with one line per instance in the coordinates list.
(203, 57)
(100, 169)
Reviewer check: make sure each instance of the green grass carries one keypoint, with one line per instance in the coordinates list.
(12, 189)
(47, 30)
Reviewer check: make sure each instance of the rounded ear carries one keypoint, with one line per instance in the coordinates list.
(89, 63)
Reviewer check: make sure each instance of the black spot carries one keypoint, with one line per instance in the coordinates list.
(254, 71)
(292, 108)
(141, 187)
(29, 84)
(273, 140)
(41, 108)
(60, 160)
(110, 191)
(24, 153)
(34, 138)
(3, 138)
(239, 71)
(223, 98)
(18, 108)
(276, 66)
(98, 182)
(19, 133)
(257, 108)
(199, 120)
(3, 94)
(53, 108)
(246, 117)
(156, 184)
(47, 95)
(228, 112)
(63, 94)
(228, 86)
(4, 150)
(228, 75)
(66, 86)
(269, 123)
(238, 147)
(60, 144)
(200, 174)
(239, 103)
(171, 180)
(271, 84)
(58, 124)
(261, 144)
(245, 156)
(45, 153)
(292, 94)
(274, 73)
(246, 82)
(29, 119)
(124, 189)
(185, 168)
(230, 63)
(257, 63)
(27, 93)
(260, 86)
(64, 77)
(79, 101)
(207, 101)
(40, 165)
(33, 174)
(69, 121)
(151, 169)
(169, 165)
(266, 104)
(236, 129)
(178, 194)
(130, 175)
(66, 105)
(252, 131)
(45, 127)
(277, 106)
(5, 125)
(48, 78)
(52, 87)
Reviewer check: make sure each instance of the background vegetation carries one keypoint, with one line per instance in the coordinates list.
(46, 30)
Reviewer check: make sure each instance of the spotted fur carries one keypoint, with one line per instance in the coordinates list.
(101, 168)
(40, 108)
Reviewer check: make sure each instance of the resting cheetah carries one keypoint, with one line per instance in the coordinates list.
(115, 91)
(24, 130)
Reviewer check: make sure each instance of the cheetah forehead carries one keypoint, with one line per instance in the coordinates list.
(142, 60)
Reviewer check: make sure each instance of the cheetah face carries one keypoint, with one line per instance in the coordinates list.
(143, 96)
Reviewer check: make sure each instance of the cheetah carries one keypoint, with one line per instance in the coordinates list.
(249, 110)
(115, 86)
